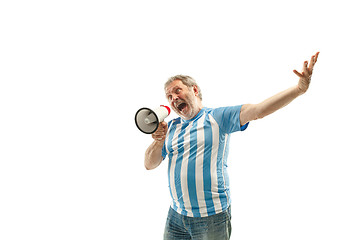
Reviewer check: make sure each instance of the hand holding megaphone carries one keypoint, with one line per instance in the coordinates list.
(160, 134)
(148, 120)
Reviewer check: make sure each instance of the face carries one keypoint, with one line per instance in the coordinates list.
(183, 100)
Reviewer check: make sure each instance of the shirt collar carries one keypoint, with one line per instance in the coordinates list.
(200, 113)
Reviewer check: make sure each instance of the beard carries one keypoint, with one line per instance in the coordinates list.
(186, 108)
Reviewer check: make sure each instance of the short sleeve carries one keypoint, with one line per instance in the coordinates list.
(228, 119)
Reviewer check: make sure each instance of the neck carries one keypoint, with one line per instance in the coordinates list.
(199, 106)
(196, 111)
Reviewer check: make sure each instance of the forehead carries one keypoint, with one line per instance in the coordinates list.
(173, 85)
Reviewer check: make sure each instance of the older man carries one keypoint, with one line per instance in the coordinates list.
(196, 146)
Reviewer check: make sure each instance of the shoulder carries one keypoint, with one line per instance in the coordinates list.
(226, 111)
(174, 122)
(228, 118)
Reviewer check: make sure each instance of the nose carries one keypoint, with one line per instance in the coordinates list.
(174, 98)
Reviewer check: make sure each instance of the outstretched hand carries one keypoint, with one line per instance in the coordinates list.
(305, 76)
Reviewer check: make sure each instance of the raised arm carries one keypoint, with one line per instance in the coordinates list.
(251, 112)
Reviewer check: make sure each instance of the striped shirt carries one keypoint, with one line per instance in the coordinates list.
(197, 151)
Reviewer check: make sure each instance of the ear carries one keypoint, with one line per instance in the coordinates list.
(196, 90)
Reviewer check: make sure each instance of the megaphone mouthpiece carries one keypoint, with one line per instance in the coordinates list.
(150, 119)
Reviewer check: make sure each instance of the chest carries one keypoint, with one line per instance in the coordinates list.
(194, 136)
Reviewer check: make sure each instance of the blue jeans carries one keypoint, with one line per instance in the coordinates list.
(215, 227)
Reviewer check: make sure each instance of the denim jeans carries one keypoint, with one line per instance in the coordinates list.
(215, 227)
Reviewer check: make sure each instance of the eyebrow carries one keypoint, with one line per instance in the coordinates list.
(172, 90)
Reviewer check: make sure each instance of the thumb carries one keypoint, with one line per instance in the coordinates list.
(164, 124)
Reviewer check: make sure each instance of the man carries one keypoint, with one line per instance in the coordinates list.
(196, 145)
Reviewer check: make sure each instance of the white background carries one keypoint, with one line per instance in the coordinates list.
(73, 74)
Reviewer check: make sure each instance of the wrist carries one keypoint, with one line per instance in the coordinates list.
(300, 91)
(159, 143)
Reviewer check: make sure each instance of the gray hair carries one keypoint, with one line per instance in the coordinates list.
(186, 80)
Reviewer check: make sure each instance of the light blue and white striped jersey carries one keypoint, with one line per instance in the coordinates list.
(197, 150)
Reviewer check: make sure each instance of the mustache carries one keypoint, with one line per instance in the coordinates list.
(179, 101)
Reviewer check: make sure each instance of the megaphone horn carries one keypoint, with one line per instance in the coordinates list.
(148, 120)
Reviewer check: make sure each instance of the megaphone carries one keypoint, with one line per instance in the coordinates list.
(148, 120)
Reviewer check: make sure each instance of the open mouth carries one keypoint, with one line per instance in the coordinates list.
(181, 106)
